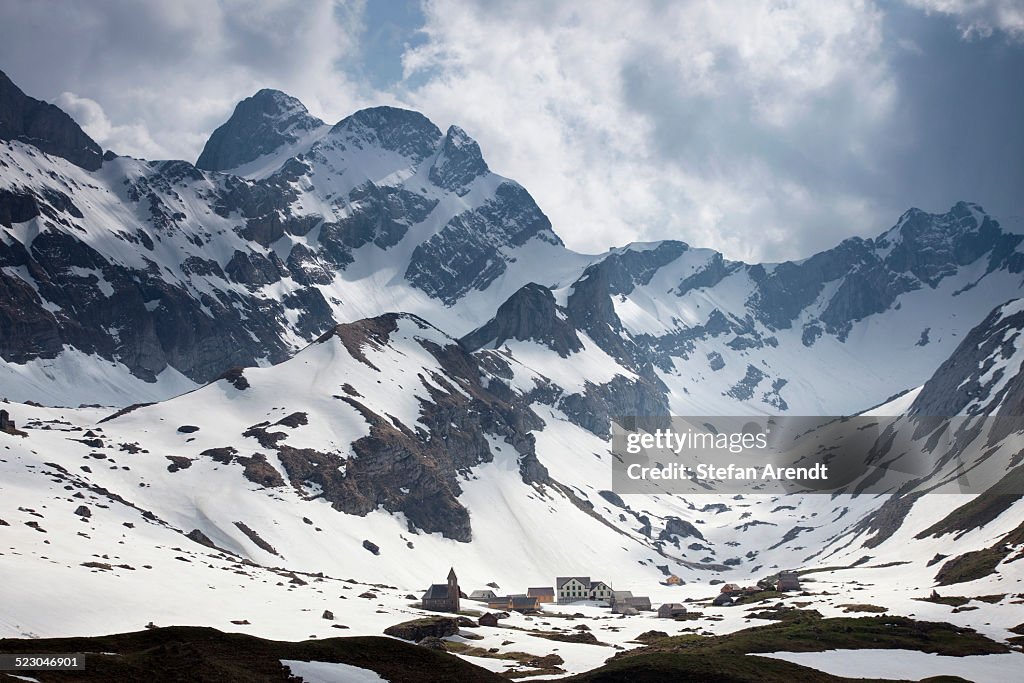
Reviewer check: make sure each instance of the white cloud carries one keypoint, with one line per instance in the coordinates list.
(179, 67)
(980, 18)
(765, 128)
(669, 119)
(94, 121)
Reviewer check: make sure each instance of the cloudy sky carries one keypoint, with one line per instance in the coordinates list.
(769, 130)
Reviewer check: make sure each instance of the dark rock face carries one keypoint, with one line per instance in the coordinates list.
(710, 275)
(631, 268)
(381, 215)
(677, 529)
(530, 314)
(459, 163)
(465, 255)
(745, 388)
(920, 251)
(599, 403)
(414, 470)
(966, 380)
(45, 127)
(406, 132)
(259, 125)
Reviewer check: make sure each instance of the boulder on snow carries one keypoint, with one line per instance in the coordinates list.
(427, 627)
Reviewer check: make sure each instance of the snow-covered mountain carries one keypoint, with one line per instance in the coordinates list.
(133, 280)
(353, 351)
(384, 453)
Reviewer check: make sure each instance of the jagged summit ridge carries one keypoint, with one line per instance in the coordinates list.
(44, 126)
(459, 162)
(404, 131)
(259, 125)
(384, 212)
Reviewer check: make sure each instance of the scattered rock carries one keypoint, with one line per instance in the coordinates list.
(178, 462)
(236, 378)
(201, 538)
(328, 615)
(650, 636)
(372, 547)
(418, 629)
(294, 420)
(255, 538)
(83, 512)
(188, 429)
(432, 643)
(97, 565)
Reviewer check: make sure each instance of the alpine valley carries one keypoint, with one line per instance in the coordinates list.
(282, 390)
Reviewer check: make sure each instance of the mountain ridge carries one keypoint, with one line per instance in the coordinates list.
(196, 271)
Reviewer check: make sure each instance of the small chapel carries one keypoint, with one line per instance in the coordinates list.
(443, 597)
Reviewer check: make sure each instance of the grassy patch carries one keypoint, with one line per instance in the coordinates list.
(951, 600)
(863, 607)
(725, 658)
(206, 655)
(970, 566)
(979, 563)
(786, 614)
(675, 666)
(983, 509)
(585, 637)
(541, 665)
(758, 597)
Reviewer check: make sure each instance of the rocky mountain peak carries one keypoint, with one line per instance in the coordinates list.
(407, 132)
(530, 314)
(259, 125)
(45, 126)
(459, 163)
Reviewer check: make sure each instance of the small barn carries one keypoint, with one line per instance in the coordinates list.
(524, 604)
(673, 580)
(788, 581)
(488, 619)
(624, 600)
(499, 602)
(482, 595)
(640, 602)
(619, 596)
(542, 593)
(671, 610)
(722, 600)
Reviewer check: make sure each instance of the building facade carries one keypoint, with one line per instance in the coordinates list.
(443, 597)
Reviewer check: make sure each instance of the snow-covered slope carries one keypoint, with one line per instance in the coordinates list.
(472, 428)
(384, 453)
